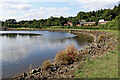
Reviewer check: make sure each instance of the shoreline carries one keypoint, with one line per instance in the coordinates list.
(91, 50)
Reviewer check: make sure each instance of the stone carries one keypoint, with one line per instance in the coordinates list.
(53, 69)
(24, 74)
(33, 71)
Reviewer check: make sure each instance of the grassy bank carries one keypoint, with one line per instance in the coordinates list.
(103, 66)
(73, 27)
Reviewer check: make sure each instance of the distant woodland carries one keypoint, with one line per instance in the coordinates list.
(111, 15)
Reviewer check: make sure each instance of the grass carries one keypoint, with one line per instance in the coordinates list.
(23, 28)
(46, 64)
(73, 27)
(105, 66)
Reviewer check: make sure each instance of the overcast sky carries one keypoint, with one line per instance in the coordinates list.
(41, 9)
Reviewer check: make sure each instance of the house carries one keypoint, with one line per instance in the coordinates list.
(86, 23)
(82, 21)
(89, 23)
(70, 23)
(78, 25)
(101, 21)
(65, 24)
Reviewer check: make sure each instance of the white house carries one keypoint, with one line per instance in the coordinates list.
(101, 21)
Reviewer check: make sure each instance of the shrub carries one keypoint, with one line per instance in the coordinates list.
(46, 64)
(67, 56)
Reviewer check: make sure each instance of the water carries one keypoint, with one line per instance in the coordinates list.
(19, 49)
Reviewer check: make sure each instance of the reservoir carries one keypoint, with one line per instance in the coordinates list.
(20, 49)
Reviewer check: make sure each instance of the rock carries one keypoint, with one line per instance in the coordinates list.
(53, 69)
(33, 71)
(66, 70)
(61, 72)
(32, 76)
(72, 66)
(24, 74)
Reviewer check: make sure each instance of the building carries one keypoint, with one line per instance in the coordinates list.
(83, 22)
(78, 25)
(70, 23)
(101, 21)
(89, 23)
(65, 24)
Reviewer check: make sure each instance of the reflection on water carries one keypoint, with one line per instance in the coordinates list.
(22, 48)
(14, 35)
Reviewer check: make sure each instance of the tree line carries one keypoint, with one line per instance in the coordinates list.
(92, 16)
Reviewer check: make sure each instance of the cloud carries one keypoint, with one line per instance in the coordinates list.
(44, 12)
(37, 0)
(25, 11)
(15, 6)
(95, 4)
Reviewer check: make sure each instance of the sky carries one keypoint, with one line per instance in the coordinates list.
(42, 9)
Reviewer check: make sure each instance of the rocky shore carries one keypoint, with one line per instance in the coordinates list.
(103, 41)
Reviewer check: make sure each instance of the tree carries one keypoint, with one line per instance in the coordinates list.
(96, 22)
(93, 18)
(1, 23)
(48, 23)
(107, 14)
(75, 21)
(57, 22)
(26, 24)
(10, 22)
(80, 15)
(63, 21)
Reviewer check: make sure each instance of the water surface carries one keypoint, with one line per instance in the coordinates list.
(21, 48)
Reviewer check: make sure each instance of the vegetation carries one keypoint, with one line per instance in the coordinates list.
(112, 25)
(67, 56)
(74, 27)
(104, 66)
(46, 64)
(107, 14)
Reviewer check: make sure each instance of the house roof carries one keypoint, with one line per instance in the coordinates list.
(90, 22)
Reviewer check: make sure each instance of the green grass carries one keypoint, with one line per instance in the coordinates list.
(23, 28)
(73, 27)
(105, 66)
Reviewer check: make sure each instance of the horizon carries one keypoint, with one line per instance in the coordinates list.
(25, 10)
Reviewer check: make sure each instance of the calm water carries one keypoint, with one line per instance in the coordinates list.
(21, 48)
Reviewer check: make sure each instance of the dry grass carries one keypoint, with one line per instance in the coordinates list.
(46, 64)
(67, 56)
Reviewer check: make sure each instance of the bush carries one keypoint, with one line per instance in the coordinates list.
(46, 64)
(67, 56)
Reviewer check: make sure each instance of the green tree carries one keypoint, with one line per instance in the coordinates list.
(48, 23)
(75, 21)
